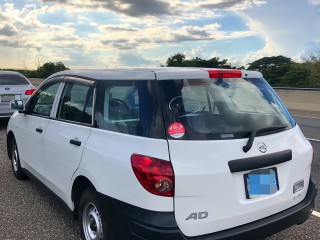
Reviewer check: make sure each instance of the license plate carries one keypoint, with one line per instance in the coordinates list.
(7, 98)
(261, 182)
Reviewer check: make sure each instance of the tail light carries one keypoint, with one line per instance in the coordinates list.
(29, 91)
(155, 175)
(225, 73)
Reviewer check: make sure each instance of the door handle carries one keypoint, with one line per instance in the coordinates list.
(75, 142)
(39, 130)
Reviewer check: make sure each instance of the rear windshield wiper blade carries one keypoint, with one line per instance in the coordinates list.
(253, 134)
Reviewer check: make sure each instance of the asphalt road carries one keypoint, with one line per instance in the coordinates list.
(28, 212)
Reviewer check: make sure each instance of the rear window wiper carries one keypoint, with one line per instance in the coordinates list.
(253, 134)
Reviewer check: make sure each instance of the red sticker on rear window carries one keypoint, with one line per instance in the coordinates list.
(176, 130)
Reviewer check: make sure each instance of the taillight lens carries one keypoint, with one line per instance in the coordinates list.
(29, 91)
(225, 73)
(155, 175)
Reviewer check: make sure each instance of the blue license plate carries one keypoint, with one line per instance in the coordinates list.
(261, 182)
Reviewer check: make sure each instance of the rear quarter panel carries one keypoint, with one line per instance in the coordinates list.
(106, 163)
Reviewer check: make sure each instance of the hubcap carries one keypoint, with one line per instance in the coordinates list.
(91, 222)
(15, 160)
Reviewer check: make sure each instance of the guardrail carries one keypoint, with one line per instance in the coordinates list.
(297, 89)
(305, 99)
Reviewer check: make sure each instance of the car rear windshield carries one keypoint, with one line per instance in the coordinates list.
(12, 79)
(228, 108)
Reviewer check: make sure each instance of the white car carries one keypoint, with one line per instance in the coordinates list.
(165, 153)
(13, 85)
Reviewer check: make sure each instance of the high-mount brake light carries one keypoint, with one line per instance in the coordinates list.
(155, 175)
(29, 91)
(225, 73)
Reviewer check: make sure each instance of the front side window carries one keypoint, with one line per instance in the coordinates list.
(129, 107)
(76, 103)
(224, 108)
(42, 101)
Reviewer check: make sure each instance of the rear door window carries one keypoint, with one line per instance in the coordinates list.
(76, 103)
(12, 79)
(129, 107)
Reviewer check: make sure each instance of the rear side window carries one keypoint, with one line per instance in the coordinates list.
(122, 105)
(12, 79)
(129, 107)
(76, 103)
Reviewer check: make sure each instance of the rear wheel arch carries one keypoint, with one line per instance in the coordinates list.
(80, 184)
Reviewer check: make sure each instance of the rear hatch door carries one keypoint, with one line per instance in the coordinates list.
(208, 122)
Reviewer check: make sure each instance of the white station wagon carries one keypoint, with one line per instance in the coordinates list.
(165, 153)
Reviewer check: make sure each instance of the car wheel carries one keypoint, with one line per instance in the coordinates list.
(15, 161)
(93, 224)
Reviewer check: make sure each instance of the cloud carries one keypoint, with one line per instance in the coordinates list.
(314, 2)
(196, 52)
(120, 44)
(111, 36)
(230, 4)
(286, 31)
(133, 59)
(221, 5)
(119, 27)
(29, 32)
(100, 29)
(16, 43)
(131, 8)
(56, 1)
(7, 30)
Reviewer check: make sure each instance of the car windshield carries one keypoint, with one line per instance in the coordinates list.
(12, 79)
(221, 108)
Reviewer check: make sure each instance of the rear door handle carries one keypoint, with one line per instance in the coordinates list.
(39, 130)
(75, 142)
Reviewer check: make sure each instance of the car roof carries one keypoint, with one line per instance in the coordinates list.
(162, 73)
(10, 72)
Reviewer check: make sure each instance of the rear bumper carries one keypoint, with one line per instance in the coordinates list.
(135, 223)
(6, 114)
(5, 110)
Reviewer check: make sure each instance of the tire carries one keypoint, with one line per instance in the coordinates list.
(93, 223)
(15, 161)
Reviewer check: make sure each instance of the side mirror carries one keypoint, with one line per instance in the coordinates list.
(17, 105)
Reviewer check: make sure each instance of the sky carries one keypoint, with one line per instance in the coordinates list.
(139, 33)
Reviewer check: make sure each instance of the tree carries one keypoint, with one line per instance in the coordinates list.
(176, 60)
(297, 76)
(312, 57)
(50, 68)
(273, 68)
(312, 63)
(179, 60)
(314, 76)
(267, 62)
